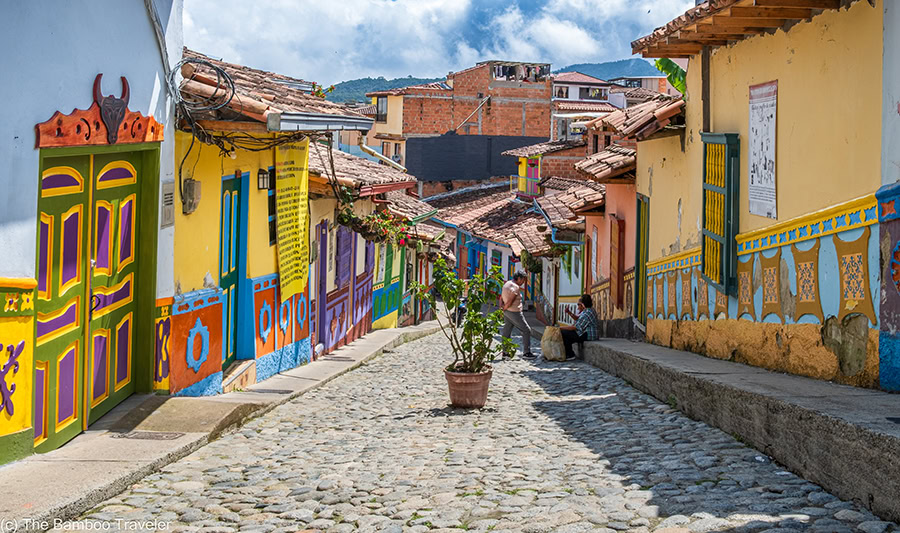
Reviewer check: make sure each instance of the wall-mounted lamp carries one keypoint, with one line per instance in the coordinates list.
(262, 178)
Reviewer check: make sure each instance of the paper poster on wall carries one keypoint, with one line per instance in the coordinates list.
(292, 216)
(763, 107)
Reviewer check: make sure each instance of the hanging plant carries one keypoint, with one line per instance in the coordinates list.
(531, 264)
(381, 226)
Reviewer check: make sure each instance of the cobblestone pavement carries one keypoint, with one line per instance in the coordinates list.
(560, 447)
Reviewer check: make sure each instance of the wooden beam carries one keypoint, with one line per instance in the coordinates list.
(677, 49)
(747, 22)
(810, 4)
(719, 30)
(232, 125)
(710, 41)
(793, 13)
(679, 55)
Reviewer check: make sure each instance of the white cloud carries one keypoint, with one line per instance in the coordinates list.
(331, 41)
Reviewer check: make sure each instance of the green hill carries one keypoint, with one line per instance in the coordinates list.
(614, 69)
(355, 90)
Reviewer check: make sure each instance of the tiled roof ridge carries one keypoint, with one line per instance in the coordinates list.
(708, 8)
(546, 147)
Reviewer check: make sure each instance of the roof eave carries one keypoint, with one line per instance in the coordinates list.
(298, 121)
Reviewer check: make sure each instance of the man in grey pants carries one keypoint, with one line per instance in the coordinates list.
(511, 304)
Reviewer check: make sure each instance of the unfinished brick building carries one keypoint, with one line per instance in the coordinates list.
(507, 104)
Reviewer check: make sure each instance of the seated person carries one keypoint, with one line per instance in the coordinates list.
(586, 328)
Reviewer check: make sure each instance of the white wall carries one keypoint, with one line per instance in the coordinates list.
(52, 50)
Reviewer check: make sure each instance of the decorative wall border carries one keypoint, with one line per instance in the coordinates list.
(856, 213)
(684, 259)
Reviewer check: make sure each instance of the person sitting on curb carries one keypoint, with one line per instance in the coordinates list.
(586, 328)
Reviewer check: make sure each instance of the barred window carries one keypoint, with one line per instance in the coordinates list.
(721, 186)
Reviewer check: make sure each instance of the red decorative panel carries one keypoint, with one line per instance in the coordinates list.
(91, 127)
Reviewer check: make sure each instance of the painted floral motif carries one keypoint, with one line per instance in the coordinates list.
(895, 262)
(12, 302)
(685, 295)
(27, 302)
(806, 282)
(746, 292)
(770, 286)
(852, 281)
(12, 364)
(650, 306)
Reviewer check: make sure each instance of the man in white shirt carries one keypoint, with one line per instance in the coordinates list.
(511, 304)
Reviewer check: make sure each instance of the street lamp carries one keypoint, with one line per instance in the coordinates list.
(262, 179)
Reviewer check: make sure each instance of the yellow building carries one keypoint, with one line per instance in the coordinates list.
(764, 238)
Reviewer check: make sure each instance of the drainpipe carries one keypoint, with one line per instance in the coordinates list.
(373, 153)
(553, 229)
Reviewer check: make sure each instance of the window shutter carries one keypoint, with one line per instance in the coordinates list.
(343, 257)
(721, 186)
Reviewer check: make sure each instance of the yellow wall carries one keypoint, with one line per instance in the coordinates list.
(197, 234)
(13, 330)
(828, 123)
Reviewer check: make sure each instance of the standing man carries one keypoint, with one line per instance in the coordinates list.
(586, 328)
(511, 304)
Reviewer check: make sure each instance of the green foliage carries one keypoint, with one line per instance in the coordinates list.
(355, 90)
(321, 91)
(531, 264)
(614, 69)
(380, 226)
(676, 74)
(473, 340)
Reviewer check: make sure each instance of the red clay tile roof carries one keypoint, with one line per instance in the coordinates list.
(590, 107)
(558, 183)
(644, 119)
(360, 170)
(407, 206)
(544, 148)
(367, 110)
(691, 17)
(432, 86)
(500, 222)
(560, 208)
(457, 208)
(257, 92)
(530, 238)
(635, 93)
(614, 161)
(577, 77)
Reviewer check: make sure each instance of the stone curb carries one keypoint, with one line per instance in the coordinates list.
(236, 418)
(850, 460)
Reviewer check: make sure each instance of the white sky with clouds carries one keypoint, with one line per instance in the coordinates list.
(329, 41)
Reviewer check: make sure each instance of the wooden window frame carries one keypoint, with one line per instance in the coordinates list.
(721, 197)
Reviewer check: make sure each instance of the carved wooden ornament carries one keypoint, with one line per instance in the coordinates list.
(107, 121)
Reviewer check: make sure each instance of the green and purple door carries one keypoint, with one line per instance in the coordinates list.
(87, 275)
(229, 253)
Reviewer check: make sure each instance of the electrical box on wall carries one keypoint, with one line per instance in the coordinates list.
(167, 217)
(190, 196)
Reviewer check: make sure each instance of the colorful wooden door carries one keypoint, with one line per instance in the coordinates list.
(113, 270)
(87, 274)
(229, 252)
(642, 250)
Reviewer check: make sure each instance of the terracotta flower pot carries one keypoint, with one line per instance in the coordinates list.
(468, 390)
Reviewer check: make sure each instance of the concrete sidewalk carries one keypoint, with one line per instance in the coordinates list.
(846, 439)
(148, 431)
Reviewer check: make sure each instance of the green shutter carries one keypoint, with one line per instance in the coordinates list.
(721, 187)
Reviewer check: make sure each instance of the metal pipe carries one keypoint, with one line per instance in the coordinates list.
(553, 229)
(473, 112)
(373, 153)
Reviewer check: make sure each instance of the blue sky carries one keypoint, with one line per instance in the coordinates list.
(328, 41)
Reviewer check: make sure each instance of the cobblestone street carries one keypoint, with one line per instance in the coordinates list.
(559, 447)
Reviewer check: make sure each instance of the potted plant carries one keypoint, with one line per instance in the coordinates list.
(473, 338)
